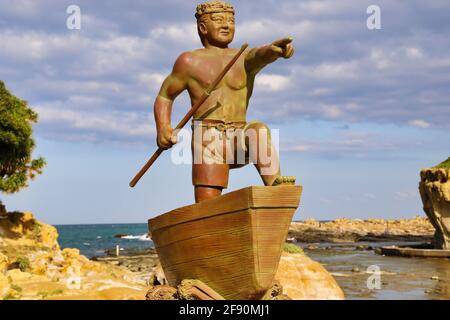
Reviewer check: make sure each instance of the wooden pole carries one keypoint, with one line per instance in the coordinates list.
(189, 114)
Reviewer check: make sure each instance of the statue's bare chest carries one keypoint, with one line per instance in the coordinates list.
(207, 69)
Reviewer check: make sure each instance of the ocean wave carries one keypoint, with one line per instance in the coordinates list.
(142, 237)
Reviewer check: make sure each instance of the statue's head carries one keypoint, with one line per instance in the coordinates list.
(215, 23)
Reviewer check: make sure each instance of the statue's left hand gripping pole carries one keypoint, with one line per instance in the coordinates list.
(189, 114)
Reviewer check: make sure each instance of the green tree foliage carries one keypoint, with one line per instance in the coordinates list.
(16, 143)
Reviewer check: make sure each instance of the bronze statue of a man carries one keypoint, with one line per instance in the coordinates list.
(226, 107)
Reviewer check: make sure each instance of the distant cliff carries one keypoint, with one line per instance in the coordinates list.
(356, 230)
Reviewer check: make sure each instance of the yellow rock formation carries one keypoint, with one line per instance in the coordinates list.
(435, 192)
(350, 230)
(3, 263)
(32, 266)
(305, 279)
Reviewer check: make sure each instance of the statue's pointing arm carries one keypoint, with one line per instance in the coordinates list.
(172, 86)
(258, 58)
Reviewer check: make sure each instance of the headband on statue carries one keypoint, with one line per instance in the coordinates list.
(213, 7)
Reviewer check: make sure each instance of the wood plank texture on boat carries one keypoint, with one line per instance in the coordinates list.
(232, 243)
(250, 197)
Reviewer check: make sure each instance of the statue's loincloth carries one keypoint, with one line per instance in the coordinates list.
(218, 146)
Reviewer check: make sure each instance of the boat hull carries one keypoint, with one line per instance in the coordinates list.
(232, 243)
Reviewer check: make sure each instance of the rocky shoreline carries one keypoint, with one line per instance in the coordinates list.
(33, 266)
(142, 262)
(344, 230)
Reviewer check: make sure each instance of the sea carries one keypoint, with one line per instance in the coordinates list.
(94, 239)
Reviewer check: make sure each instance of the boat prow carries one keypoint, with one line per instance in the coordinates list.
(232, 243)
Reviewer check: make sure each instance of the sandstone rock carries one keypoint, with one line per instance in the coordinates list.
(48, 236)
(17, 275)
(434, 189)
(12, 294)
(24, 226)
(4, 262)
(305, 279)
(43, 263)
(4, 285)
(312, 222)
(53, 273)
(347, 230)
(20, 223)
(70, 253)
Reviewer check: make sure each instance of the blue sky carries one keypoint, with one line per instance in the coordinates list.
(360, 111)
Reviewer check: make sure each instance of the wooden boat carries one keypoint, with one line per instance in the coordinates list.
(232, 243)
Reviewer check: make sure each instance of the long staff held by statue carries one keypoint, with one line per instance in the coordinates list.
(189, 114)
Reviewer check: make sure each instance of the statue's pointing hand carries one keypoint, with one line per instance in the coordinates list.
(283, 47)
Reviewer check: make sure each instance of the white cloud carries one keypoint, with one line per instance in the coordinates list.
(324, 8)
(407, 194)
(91, 23)
(336, 71)
(331, 111)
(154, 80)
(272, 82)
(23, 8)
(85, 56)
(24, 46)
(185, 33)
(440, 63)
(419, 123)
(341, 71)
(370, 196)
(299, 148)
(117, 123)
(264, 31)
(414, 53)
(348, 144)
(381, 59)
(321, 91)
(85, 101)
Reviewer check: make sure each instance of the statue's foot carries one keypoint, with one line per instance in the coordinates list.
(284, 180)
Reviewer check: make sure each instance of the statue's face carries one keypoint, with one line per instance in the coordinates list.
(218, 29)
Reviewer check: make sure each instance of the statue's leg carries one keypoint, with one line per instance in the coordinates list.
(203, 193)
(263, 154)
(209, 180)
(209, 170)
